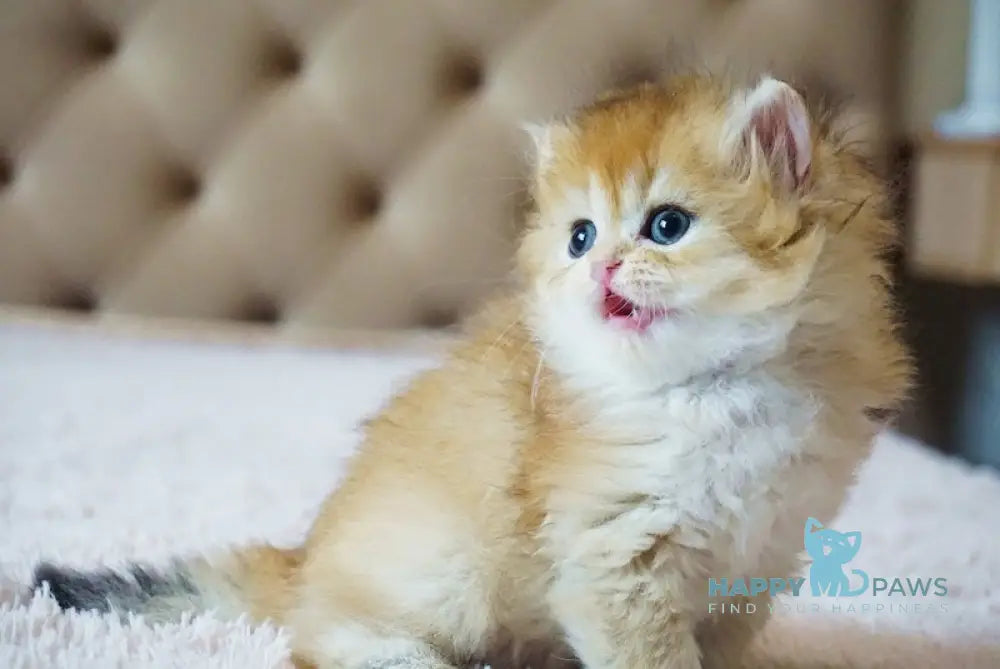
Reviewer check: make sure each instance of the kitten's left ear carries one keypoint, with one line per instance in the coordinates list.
(769, 128)
(546, 138)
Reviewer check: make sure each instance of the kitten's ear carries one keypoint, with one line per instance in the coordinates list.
(546, 137)
(768, 128)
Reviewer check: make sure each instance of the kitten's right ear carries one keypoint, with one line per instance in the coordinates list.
(546, 138)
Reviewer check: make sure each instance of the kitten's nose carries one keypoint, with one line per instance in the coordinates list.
(603, 273)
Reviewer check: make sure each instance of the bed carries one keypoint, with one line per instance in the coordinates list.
(229, 229)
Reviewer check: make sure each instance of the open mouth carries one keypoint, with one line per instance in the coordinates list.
(622, 311)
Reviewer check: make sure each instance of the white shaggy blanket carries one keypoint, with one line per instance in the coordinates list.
(115, 449)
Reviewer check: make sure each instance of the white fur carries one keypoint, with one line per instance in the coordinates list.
(718, 465)
(352, 644)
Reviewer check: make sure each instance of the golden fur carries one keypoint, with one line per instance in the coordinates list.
(561, 487)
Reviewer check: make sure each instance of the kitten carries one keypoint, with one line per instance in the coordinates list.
(685, 375)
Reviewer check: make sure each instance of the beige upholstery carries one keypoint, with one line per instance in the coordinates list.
(319, 162)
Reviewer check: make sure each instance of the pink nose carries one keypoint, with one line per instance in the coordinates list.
(603, 273)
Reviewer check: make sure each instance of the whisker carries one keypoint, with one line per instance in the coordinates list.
(535, 382)
(499, 338)
(560, 273)
(854, 213)
(529, 343)
(523, 179)
(496, 281)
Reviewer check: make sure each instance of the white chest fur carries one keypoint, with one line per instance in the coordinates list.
(711, 466)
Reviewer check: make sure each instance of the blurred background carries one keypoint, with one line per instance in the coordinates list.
(297, 169)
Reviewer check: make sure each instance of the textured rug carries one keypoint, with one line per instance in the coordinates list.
(117, 449)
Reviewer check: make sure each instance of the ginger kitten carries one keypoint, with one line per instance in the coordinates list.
(685, 376)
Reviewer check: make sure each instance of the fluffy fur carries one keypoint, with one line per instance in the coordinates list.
(564, 486)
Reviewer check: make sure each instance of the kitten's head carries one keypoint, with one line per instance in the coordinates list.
(678, 227)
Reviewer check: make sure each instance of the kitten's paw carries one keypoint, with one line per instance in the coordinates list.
(411, 662)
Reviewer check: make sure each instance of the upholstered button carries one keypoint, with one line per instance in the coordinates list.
(438, 317)
(183, 185)
(364, 201)
(100, 43)
(259, 309)
(463, 75)
(636, 74)
(6, 170)
(75, 298)
(283, 60)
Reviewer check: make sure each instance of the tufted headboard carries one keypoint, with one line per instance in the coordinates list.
(333, 162)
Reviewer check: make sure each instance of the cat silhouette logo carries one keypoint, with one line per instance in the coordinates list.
(830, 551)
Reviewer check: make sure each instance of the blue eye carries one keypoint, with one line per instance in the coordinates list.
(666, 225)
(582, 237)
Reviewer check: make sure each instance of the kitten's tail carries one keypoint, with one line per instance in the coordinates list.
(258, 581)
(864, 584)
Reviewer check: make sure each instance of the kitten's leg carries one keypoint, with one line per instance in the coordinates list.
(366, 598)
(622, 626)
(419, 661)
(725, 638)
(403, 662)
(351, 647)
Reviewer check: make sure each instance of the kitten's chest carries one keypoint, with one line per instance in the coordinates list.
(725, 433)
(696, 463)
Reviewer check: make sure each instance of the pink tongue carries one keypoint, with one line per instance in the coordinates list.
(626, 313)
(615, 305)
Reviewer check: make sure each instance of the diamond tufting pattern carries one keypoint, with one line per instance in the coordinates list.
(333, 162)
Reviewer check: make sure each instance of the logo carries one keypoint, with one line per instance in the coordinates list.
(830, 575)
(830, 551)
